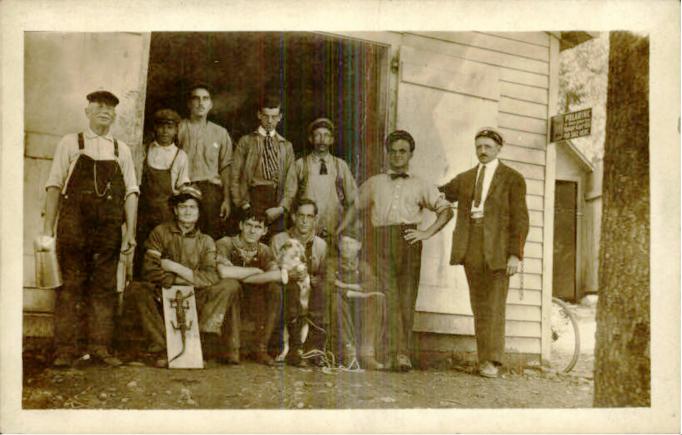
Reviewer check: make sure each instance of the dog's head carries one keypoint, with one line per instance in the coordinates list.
(291, 255)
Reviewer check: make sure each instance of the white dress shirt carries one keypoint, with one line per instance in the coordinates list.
(490, 167)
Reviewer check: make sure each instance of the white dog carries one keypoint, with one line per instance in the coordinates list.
(292, 258)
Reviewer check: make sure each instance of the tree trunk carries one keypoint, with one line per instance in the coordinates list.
(622, 359)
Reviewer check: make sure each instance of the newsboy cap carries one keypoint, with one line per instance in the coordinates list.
(186, 192)
(492, 133)
(105, 97)
(166, 116)
(321, 123)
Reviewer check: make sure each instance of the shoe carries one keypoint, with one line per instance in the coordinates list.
(155, 348)
(369, 363)
(403, 363)
(295, 360)
(102, 354)
(262, 357)
(161, 362)
(62, 361)
(229, 358)
(488, 370)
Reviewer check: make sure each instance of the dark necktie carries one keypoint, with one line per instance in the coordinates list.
(270, 159)
(323, 167)
(398, 175)
(479, 187)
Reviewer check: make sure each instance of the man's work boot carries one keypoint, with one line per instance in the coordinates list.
(262, 357)
(62, 361)
(488, 370)
(229, 358)
(100, 353)
(403, 363)
(294, 359)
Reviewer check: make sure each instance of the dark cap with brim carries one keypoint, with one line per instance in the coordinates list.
(104, 97)
(492, 133)
(166, 116)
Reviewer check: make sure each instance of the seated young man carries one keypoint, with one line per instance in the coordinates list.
(179, 253)
(357, 310)
(304, 216)
(244, 259)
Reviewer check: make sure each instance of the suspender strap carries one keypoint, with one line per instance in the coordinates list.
(81, 142)
(174, 157)
(115, 147)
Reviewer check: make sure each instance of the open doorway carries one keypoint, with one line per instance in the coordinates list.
(314, 75)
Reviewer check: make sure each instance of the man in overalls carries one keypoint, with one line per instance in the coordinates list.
(261, 162)
(162, 169)
(322, 177)
(92, 186)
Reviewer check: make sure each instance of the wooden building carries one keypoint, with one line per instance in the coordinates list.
(441, 86)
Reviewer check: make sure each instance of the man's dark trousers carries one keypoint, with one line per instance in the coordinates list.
(488, 293)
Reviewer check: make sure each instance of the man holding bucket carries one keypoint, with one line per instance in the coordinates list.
(93, 189)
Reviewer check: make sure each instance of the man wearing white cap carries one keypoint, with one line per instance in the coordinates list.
(491, 230)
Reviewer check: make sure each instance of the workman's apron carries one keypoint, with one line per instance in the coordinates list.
(91, 208)
(155, 192)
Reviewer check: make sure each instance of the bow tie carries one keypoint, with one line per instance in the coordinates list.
(398, 175)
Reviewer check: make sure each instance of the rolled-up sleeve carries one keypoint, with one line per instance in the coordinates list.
(181, 171)
(364, 196)
(350, 188)
(206, 272)
(61, 162)
(433, 199)
(125, 160)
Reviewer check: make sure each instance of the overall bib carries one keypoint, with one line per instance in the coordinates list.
(88, 244)
(155, 191)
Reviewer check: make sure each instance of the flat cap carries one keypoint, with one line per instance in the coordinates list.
(320, 122)
(186, 192)
(105, 97)
(492, 133)
(166, 116)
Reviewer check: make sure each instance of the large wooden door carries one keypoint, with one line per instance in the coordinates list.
(565, 231)
(442, 100)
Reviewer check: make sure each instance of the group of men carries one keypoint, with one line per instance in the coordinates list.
(191, 181)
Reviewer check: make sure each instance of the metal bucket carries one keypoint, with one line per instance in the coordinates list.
(48, 274)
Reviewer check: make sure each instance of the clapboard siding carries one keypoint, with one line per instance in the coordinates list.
(524, 78)
(535, 202)
(445, 323)
(525, 108)
(525, 297)
(537, 38)
(528, 170)
(476, 54)
(525, 139)
(519, 313)
(536, 217)
(39, 145)
(535, 187)
(523, 155)
(493, 43)
(531, 281)
(514, 122)
(532, 250)
(523, 92)
(465, 343)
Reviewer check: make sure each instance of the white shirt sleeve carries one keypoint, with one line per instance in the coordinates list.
(61, 162)
(125, 160)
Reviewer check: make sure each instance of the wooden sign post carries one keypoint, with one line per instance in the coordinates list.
(183, 341)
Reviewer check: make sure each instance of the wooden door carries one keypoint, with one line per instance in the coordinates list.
(565, 232)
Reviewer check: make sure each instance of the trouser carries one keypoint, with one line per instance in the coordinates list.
(398, 265)
(263, 198)
(356, 323)
(267, 303)
(214, 303)
(295, 317)
(210, 221)
(488, 294)
(89, 285)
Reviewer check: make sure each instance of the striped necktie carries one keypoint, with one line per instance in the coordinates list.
(270, 159)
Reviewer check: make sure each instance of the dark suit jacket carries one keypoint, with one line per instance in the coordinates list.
(505, 223)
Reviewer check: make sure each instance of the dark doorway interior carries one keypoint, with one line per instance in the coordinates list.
(314, 75)
(565, 245)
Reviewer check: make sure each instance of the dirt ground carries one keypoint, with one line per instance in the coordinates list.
(253, 386)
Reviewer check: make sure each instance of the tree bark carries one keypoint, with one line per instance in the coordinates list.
(622, 372)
